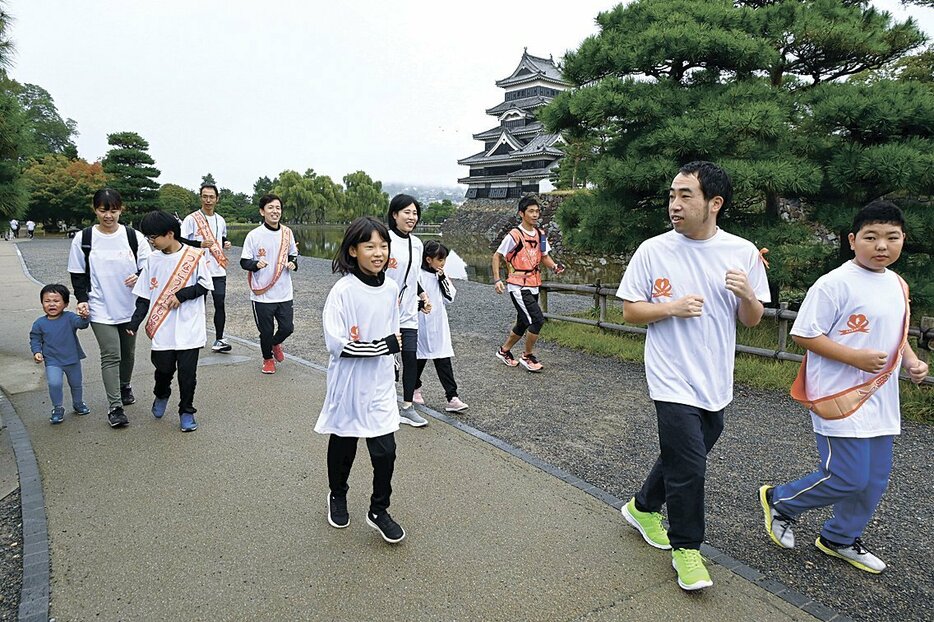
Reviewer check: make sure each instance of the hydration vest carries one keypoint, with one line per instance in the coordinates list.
(525, 258)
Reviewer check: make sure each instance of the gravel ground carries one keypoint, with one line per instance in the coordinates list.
(591, 416)
(11, 560)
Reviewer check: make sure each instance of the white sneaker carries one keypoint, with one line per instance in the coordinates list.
(777, 524)
(408, 416)
(455, 405)
(417, 397)
(221, 346)
(855, 553)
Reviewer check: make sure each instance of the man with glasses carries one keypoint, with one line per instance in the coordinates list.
(210, 229)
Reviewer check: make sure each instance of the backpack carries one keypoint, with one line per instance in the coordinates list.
(86, 235)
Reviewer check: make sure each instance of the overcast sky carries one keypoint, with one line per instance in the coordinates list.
(244, 88)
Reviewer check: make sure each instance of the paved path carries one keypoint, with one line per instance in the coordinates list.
(228, 523)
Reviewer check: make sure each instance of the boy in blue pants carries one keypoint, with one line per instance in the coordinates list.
(854, 325)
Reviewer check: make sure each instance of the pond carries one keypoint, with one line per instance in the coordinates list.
(470, 254)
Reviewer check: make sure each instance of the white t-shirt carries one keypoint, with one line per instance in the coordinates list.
(218, 227)
(506, 246)
(860, 309)
(690, 360)
(110, 300)
(361, 391)
(264, 243)
(183, 327)
(30, 225)
(434, 334)
(398, 262)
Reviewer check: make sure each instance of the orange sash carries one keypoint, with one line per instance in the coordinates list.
(183, 271)
(845, 403)
(285, 241)
(204, 230)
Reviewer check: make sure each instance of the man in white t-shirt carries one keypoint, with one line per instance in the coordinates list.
(210, 229)
(30, 229)
(270, 255)
(689, 286)
(14, 227)
(853, 324)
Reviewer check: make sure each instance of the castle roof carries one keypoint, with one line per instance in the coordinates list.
(532, 68)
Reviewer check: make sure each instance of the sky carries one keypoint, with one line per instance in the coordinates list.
(242, 89)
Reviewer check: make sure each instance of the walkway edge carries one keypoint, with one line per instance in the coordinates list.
(34, 596)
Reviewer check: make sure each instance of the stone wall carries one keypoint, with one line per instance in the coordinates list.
(492, 218)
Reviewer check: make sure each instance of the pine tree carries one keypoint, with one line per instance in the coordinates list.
(130, 169)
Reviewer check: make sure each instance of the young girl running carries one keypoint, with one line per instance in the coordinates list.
(434, 334)
(361, 331)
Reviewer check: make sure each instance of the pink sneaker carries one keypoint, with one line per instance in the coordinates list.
(417, 397)
(455, 405)
(530, 362)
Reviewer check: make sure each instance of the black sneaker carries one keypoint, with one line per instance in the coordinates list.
(388, 528)
(126, 395)
(337, 511)
(117, 418)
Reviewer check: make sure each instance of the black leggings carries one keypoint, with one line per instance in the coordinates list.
(445, 375)
(266, 314)
(341, 453)
(409, 363)
(219, 294)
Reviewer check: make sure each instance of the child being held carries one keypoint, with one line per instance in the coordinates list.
(54, 341)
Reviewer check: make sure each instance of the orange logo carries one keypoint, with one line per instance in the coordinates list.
(661, 289)
(261, 252)
(393, 263)
(355, 333)
(858, 323)
(153, 283)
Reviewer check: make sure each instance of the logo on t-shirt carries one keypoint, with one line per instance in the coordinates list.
(661, 289)
(858, 323)
(261, 252)
(153, 283)
(393, 263)
(355, 333)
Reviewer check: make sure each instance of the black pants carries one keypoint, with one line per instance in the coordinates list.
(166, 362)
(686, 434)
(219, 294)
(529, 314)
(445, 375)
(409, 362)
(266, 315)
(341, 453)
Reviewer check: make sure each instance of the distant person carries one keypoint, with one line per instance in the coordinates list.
(405, 257)
(361, 332)
(171, 290)
(524, 248)
(54, 341)
(689, 285)
(30, 229)
(104, 263)
(434, 334)
(14, 227)
(270, 255)
(207, 227)
(854, 325)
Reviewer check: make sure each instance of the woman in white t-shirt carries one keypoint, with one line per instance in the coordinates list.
(104, 267)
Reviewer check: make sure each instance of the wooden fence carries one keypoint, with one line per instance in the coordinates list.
(924, 332)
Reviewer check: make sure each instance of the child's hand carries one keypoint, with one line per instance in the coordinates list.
(399, 339)
(130, 281)
(37, 357)
(173, 302)
(917, 371)
(688, 306)
(871, 361)
(426, 304)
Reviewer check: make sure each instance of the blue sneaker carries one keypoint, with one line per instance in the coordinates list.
(188, 423)
(158, 407)
(58, 414)
(82, 409)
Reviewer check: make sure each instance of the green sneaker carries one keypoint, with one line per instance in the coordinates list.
(692, 575)
(649, 525)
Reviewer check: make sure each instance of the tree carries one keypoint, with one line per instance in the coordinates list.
(759, 86)
(49, 133)
(175, 199)
(131, 170)
(208, 180)
(438, 211)
(6, 45)
(61, 189)
(13, 135)
(297, 197)
(363, 196)
(263, 185)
